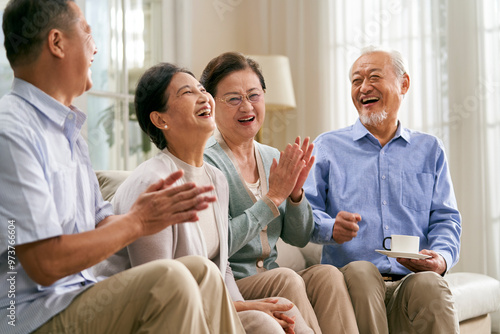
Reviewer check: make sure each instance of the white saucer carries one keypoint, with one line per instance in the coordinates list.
(415, 256)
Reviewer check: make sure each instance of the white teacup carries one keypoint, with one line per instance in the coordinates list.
(403, 243)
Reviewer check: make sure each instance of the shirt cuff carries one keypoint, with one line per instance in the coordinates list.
(449, 261)
(323, 232)
(290, 201)
(271, 205)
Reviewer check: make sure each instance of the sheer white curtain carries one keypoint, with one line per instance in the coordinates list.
(474, 76)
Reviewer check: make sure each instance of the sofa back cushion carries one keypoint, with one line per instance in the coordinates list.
(109, 181)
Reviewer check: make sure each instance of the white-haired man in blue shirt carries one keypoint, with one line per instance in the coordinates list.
(375, 179)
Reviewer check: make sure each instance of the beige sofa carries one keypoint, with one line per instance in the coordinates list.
(476, 295)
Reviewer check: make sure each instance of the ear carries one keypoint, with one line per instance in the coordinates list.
(158, 119)
(55, 40)
(405, 83)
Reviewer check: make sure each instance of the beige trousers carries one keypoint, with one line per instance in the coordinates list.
(319, 292)
(419, 303)
(186, 295)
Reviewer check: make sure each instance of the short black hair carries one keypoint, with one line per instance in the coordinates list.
(225, 64)
(26, 24)
(151, 95)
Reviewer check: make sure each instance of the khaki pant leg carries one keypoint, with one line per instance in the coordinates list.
(280, 282)
(422, 303)
(158, 297)
(330, 299)
(220, 314)
(367, 291)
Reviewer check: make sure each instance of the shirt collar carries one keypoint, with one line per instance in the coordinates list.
(359, 131)
(47, 105)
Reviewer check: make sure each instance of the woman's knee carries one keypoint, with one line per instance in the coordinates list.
(323, 273)
(288, 279)
(258, 322)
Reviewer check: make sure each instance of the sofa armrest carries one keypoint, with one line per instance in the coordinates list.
(474, 294)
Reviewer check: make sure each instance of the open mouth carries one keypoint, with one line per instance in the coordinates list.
(246, 120)
(369, 100)
(204, 112)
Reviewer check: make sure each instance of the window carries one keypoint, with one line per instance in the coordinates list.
(126, 46)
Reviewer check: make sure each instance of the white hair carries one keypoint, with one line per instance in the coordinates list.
(373, 119)
(398, 61)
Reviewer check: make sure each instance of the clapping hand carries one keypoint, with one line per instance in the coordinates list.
(163, 204)
(287, 176)
(283, 175)
(308, 160)
(271, 307)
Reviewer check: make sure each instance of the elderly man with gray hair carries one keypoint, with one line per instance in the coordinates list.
(376, 179)
(54, 223)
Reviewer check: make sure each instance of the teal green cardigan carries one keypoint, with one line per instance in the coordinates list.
(293, 222)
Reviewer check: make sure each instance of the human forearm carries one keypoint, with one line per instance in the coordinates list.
(323, 227)
(49, 260)
(157, 208)
(298, 223)
(246, 226)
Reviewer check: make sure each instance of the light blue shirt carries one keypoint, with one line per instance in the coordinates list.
(47, 188)
(402, 188)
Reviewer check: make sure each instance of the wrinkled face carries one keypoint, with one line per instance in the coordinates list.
(80, 52)
(240, 122)
(376, 90)
(190, 108)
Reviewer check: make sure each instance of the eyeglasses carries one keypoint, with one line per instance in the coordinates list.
(234, 100)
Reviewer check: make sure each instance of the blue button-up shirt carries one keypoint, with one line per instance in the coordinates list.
(47, 188)
(402, 188)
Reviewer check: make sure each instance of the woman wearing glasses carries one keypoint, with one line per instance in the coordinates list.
(266, 200)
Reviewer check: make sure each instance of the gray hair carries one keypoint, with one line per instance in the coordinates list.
(398, 61)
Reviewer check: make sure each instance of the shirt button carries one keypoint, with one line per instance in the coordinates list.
(384, 202)
(82, 283)
(260, 263)
(383, 177)
(70, 116)
(386, 227)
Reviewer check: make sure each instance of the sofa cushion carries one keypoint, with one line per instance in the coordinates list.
(290, 256)
(109, 180)
(475, 294)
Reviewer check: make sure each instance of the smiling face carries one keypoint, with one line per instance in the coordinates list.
(239, 123)
(376, 90)
(190, 109)
(81, 51)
